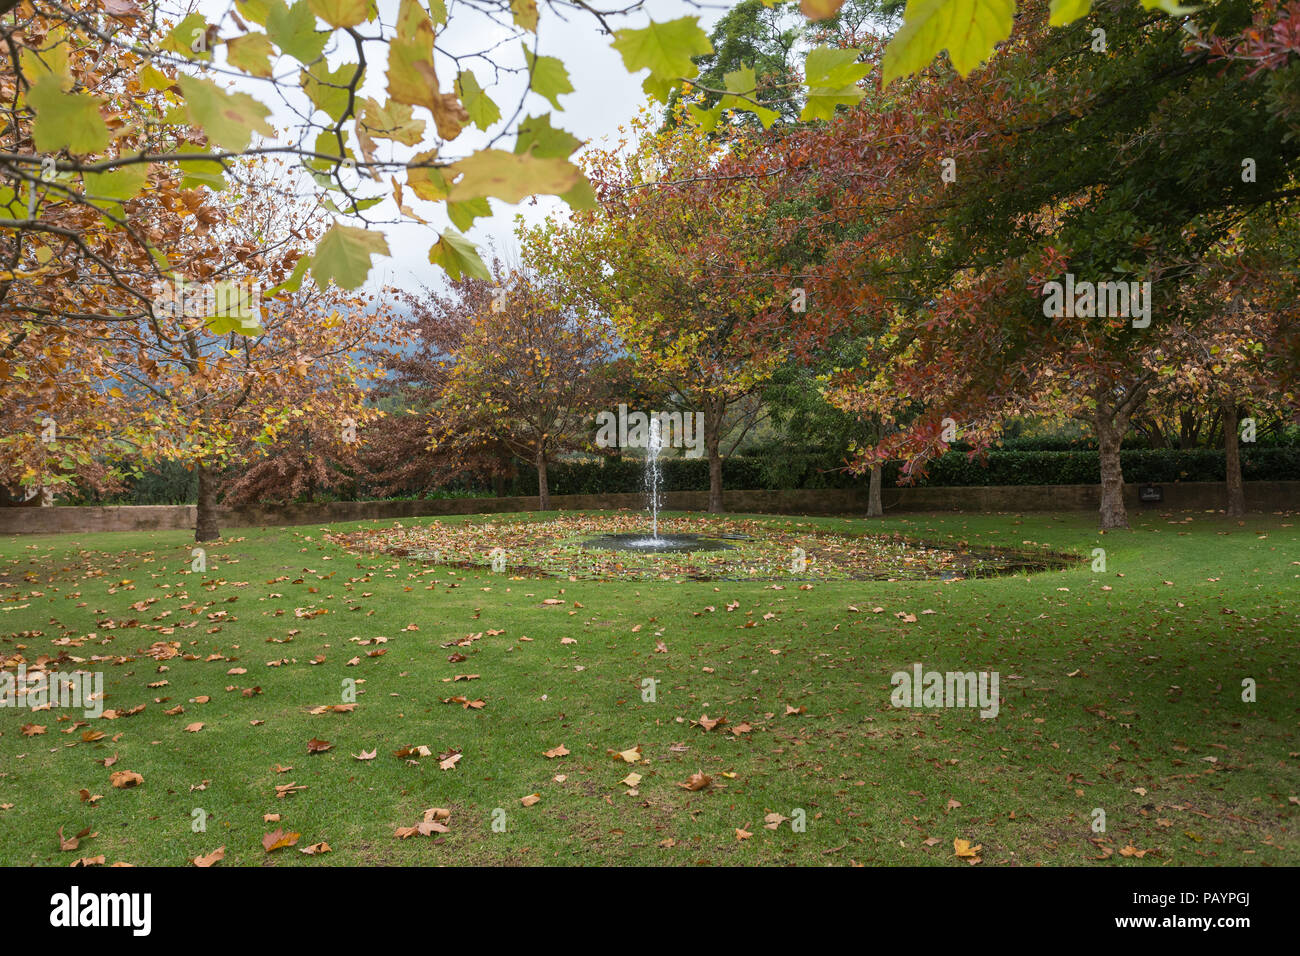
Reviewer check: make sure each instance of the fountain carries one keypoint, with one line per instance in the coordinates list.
(652, 478)
(656, 543)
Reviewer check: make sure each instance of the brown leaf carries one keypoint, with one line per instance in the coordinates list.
(125, 778)
(216, 856)
(697, 781)
(278, 839)
(708, 723)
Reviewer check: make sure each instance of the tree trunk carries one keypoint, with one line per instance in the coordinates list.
(713, 445)
(502, 474)
(205, 528)
(1113, 514)
(1232, 460)
(1188, 426)
(874, 508)
(543, 488)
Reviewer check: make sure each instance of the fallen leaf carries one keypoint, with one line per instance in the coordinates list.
(696, 781)
(278, 840)
(216, 856)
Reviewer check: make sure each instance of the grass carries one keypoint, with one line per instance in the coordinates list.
(1120, 690)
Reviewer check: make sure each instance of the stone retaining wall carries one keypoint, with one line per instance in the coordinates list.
(1263, 496)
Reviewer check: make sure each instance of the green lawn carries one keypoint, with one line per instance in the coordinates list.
(1120, 690)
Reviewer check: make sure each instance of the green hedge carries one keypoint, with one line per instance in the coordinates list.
(810, 468)
(817, 470)
(739, 472)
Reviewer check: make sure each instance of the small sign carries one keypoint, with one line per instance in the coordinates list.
(1151, 493)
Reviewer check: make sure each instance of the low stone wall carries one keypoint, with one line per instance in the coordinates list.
(1265, 496)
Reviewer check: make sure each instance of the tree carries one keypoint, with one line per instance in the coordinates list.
(676, 256)
(971, 208)
(416, 448)
(125, 125)
(526, 374)
(86, 82)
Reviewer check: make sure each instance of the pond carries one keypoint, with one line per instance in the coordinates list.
(618, 546)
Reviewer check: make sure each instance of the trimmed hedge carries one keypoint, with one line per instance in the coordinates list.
(776, 469)
(815, 470)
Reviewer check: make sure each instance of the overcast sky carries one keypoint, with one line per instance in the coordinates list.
(605, 96)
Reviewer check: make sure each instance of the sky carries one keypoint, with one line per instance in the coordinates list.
(605, 96)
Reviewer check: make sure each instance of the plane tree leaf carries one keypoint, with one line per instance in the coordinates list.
(816, 9)
(254, 10)
(1067, 11)
(427, 182)
(510, 176)
(293, 30)
(228, 119)
(463, 214)
(524, 13)
(535, 134)
(343, 255)
(251, 53)
(742, 84)
(483, 112)
(65, 120)
(189, 38)
(832, 76)
(547, 77)
(331, 90)
(342, 13)
(967, 29)
(395, 121)
(458, 256)
(412, 78)
(116, 185)
(665, 49)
